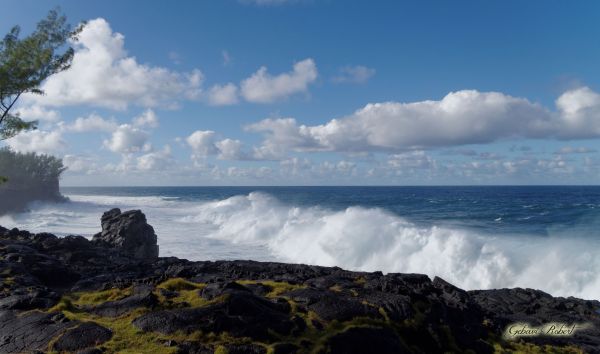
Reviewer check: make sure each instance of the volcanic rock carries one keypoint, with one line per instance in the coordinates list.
(128, 231)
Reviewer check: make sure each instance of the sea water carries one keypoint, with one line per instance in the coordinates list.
(475, 237)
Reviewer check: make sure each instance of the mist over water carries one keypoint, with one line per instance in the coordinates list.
(477, 238)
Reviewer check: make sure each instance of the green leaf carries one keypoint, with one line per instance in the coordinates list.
(13, 125)
(25, 63)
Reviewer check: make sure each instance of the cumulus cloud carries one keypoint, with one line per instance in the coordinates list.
(305, 169)
(128, 139)
(460, 118)
(156, 161)
(37, 112)
(280, 135)
(354, 74)
(103, 74)
(411, 160)
(263, 87)
(147, 119)
(92, 122)
(579, 113)
(223, 95)
(48, 142)
(80, 164)
(204, 143)
(230, 149)
(295, 166)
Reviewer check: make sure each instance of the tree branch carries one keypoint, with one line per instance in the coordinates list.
(9, 107)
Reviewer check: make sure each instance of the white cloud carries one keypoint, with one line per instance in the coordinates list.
(102, 74)
(156, 161)
(47, 142)
(566, 150)
(128, 139)
(280, 135)
(342, 168)
(202, 143)
(147, 119)
(354, 74)
(579, 113)
(240, 172)
(460, 118)
(230, 149)
(36, 112)
(262, 87)
(306, 170)
(411, 160)
(295, 166)
(80, 164)
(223, 95)
(93, 122)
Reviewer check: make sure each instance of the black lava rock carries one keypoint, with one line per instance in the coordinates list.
(85, 335)
(130, 232)
(248, 306)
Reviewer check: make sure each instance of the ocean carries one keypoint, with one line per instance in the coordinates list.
(543, 237)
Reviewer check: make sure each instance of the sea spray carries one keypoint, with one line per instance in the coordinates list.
(259, 226)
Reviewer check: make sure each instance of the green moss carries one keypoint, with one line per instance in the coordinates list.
(360, 280)
(178, 284)
(336, 288)
(220, 350)
(383, 313)
(127, 339)
(63, 304)
(187, 294)
(100, 297)
(277, 287)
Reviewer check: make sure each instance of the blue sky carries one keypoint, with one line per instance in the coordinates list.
(322, 92)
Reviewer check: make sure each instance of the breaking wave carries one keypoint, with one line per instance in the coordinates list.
(258, 226)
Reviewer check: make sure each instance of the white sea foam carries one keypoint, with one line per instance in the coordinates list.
(258, 226)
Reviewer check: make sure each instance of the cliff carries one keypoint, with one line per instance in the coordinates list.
(112, 295)
(30, 177)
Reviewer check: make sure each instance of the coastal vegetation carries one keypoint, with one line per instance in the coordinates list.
(28, 177)
(24, 65)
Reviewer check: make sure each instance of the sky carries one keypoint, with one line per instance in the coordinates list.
(320, 92)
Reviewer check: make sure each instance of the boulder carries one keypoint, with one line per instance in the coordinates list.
(128, 231)
(87, 334)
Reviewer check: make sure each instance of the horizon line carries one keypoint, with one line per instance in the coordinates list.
(339, 186)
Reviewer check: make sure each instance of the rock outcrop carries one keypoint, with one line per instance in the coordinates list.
(71, 295)
(30, 178)
(128, 231)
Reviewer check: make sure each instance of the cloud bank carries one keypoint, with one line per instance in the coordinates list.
(460, 118)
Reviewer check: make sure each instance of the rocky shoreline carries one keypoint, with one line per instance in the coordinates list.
(114, 294)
